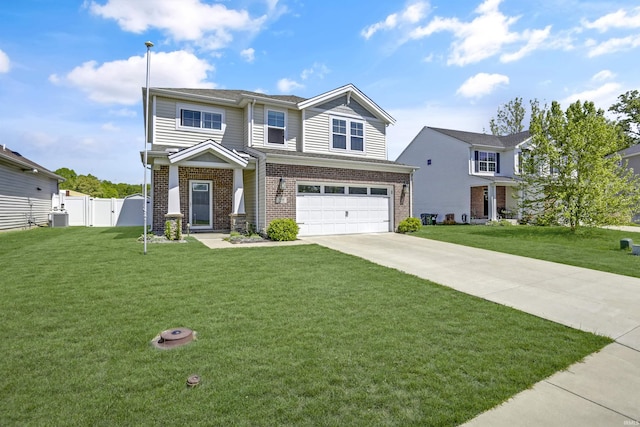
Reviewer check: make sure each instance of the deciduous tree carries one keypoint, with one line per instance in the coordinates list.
(628, 109)
(569, 175)
(510, 118)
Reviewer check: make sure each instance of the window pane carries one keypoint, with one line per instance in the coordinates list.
(275, 118)
(340, 126)
(331, 189)
(340, 141)
(357, 190)
(379, 191)
(309, 189)
(357, 129)
(491, 157)
(357, 143)
(212, 121)
(492, 167)
(276, 136)
(190, 118)
(482, 156)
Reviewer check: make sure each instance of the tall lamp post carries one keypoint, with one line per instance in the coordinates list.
(149, 45)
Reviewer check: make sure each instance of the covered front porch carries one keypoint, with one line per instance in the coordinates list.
(496, 200)
(201, 188)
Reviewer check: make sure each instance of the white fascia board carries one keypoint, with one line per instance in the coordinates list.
(249, 98)
(356, 94)
(339, 163)
(221, 152)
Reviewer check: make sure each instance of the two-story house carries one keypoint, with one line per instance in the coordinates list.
(233, 159)
(465, 176)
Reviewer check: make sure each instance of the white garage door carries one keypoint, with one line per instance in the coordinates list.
(342, 213)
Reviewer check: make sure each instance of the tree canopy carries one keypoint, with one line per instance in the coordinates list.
(628, 110)
(569, 175)
(94, 187)
(509, 119)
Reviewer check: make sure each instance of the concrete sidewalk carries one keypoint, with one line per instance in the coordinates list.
(603, 390)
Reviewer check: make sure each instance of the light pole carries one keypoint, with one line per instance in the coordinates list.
(149, 45)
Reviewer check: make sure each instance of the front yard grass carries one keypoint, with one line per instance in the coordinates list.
(292, 335)
(588, 247)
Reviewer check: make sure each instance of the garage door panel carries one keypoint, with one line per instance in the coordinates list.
(341, 214)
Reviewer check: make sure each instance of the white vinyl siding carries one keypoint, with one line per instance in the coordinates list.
(20, 199)
(166, 134)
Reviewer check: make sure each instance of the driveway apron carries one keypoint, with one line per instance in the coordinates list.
(604, 389)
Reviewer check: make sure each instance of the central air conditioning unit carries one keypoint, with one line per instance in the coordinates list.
(58, 219)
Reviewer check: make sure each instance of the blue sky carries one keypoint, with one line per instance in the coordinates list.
(71, 72)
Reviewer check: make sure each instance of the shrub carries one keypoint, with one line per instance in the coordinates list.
(283, 229)
(409, 225)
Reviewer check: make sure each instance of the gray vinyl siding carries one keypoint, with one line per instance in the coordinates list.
(340, 106)
(20, 199)
(318, 133)
(293, 128)
(249, 179)
(166, 133)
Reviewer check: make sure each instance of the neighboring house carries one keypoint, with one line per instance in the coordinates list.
(235, 160)
(632, 157)
(465, 176)
(26, 191)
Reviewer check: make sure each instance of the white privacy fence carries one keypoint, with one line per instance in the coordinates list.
(93, 212)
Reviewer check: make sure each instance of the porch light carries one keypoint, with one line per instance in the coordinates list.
(405, 187)
(282, 185)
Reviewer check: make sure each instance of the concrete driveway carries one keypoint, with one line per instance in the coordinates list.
(602, 390)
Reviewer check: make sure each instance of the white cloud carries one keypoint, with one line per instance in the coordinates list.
(617, 19)
(109, 127)
(121, 81)
(485, 36)
(123, 112)
(317, 69)
(603, 75)
(602, 96)
(249, 54)
(5, 63)
(210, 26)
(288, 86)
(412, 14)
(612, 45)
(481, 84)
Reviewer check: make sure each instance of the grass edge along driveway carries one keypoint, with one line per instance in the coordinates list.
(297, 335)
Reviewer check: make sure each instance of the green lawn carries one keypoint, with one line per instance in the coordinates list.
(291, 335)
(594, 248)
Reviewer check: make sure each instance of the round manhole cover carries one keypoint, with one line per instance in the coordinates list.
(173, 338)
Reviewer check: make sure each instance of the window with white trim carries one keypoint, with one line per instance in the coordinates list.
(196, 117)
(487, 161)
(276, 127)
(347, 134)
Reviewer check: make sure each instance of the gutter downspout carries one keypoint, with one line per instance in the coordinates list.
(261, 158)
(251, 110)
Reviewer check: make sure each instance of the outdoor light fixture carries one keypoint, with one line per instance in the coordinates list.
(282, 185)
(34, 170)
(149, 45)
(404, 188)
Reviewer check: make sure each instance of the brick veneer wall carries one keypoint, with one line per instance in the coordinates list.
(222, 195)
(477, 200)
(294, 173)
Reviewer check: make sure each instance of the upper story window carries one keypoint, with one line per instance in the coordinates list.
(195, 117)
(276, 127)
(487, 161)
(347, 134)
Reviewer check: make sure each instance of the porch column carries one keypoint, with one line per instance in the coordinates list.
(493, 209)
(174, 191)
(238, 192)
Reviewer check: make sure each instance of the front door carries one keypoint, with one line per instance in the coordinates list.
(200, 204)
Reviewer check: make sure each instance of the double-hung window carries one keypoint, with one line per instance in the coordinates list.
(194, 117)
(487, 161)
(276, 127)
(347, 134)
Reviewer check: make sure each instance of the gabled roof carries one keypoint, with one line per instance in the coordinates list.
(352, 92)
(241, 98)
(632, 151)
(209, 146)
(27, 165)
(486, 140)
